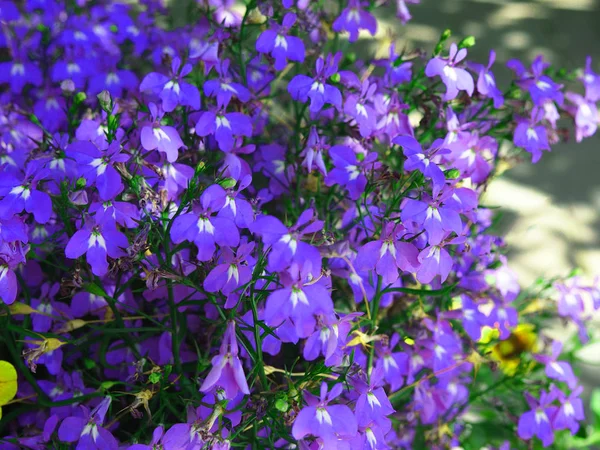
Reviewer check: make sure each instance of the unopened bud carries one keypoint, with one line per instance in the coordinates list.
(105, 100)
(67, 86)
(467, 42)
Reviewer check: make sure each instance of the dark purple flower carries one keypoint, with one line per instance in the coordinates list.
(327, 422)
(86, 429)
(302, 87)
(541, 87)
(349, 172)
(224, 126)
(353, 19)
(97, 242)
(299, 301)
(96, 165)
(287, 248)
(172, 90)
(537, 421)
(224, 88)
(279, 44)
(22, 194)
(204, 229)
(18, 73)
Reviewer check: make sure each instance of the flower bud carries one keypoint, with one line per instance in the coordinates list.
(105, 101)
(67, 86)
(467, 42)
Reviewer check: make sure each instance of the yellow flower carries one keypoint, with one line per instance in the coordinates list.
(509, 352)
(8, 383)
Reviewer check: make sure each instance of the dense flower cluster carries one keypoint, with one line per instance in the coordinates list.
(236, 231)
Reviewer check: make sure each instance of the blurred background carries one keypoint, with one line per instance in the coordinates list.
(551, 210)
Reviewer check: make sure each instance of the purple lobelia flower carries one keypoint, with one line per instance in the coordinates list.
(486, 82)
(393, 121)
(227, 371)
(557, 370)
(541, 87)
(163, 138)
(537, 421)
(329, 423)
(591, 81)
(155, 443)
(531, 136)
(22, 194)
(586, 116)
(388, 254)
(201, 227)
(302, 87)
(287, 248)
(435, 260)
(570, 412)
(435, 217)
(393, 365)
(422, 160)
(356, 107)
(279, 44)
(96, 165)
(349, 172)
(354, 18)
(299, 301)
(173, 90)
(372, 404)
(474, 156)
(313, 152)
(329, 339)
(71, 68)
(108, 77)
(402, 11)
(472, 318)
(271, 161)
(237, 208)
(86, 429)
(121, 213)
(8, 282)
(20, 72)
(224, 126)
(51, 111)
(97, 242)
(224, 88)
(455, 78)
(233, 272)
(225, 14)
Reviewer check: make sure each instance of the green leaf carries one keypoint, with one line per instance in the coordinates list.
(93, 288)
(467, 42)
(595, 405)
(89, 363)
